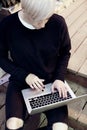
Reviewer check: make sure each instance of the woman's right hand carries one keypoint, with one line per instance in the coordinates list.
(35, 82)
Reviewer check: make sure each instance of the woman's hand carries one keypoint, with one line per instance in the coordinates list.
(35, 82)
(60, 87)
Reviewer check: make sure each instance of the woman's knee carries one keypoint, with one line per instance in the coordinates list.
(14, 123)
(60, 126)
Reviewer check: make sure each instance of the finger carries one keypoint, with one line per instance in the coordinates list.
(39, 86)
(42, 80)
(60, 92)
(53, 89)
(41, 83)
(35, 86)
(64, 92)
(31, 86)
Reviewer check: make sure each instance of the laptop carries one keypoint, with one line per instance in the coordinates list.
(38, 101)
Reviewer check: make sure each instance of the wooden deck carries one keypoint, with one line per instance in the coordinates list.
(76, 19)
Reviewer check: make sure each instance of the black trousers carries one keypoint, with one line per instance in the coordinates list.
(15, 106)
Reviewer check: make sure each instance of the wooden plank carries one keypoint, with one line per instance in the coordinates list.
(2, 116)
(79, 57)
(83, 116)
(77, 125)
(43, 120)
(15, 8)
(67, 3)
(4, 79)
(83, 69)
(73, 86)
(81, 90)
(75, 108)
(76, 14)
(66, 12)
(1, 72)
(71, 128)
(78, 38)
(2, 126)
(2, 99)
(78, 23)
(74, 77)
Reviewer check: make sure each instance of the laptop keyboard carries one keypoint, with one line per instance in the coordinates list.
(47, 99)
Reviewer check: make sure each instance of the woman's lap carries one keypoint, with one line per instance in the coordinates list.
(15, 106)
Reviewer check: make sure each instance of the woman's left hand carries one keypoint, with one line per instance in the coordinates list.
(60, 87)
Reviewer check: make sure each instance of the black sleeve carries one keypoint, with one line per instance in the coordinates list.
(64, 52)
(5, 63)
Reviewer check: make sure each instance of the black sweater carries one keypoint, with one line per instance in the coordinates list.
(44, 52)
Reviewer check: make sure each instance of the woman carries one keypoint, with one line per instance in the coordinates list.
(39, 46)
